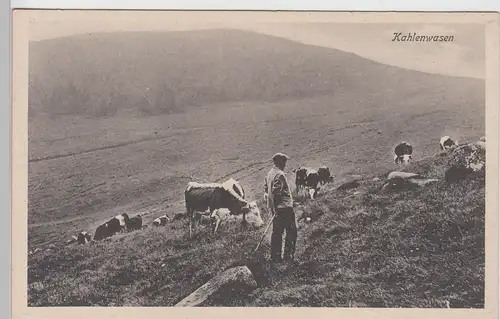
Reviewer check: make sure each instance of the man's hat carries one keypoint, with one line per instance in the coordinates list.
(281, 156)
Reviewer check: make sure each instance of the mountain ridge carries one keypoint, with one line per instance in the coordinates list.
(103, 73)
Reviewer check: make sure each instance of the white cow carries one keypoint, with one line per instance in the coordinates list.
(447, 143)
(253, 216)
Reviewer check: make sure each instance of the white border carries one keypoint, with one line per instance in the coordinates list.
(298, 5)
(5, 170)
(291, 5)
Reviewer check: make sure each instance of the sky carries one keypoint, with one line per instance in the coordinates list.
(372, 39)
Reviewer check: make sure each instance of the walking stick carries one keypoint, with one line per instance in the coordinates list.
(264, 234)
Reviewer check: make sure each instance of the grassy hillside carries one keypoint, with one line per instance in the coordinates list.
(219, 104)
(365, 247)
(155, 73)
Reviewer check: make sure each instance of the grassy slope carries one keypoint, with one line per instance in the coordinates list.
(352, 128)
(415, 248)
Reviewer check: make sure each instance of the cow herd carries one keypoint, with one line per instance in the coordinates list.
(404, 150)
(219, 201)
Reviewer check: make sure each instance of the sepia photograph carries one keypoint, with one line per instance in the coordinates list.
(255, 159)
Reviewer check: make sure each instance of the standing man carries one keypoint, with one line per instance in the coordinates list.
(280, 204)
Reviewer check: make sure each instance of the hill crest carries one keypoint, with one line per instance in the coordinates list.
(164, 72)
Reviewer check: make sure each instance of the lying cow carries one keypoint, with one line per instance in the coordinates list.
(307, 178)
(446, 143)
(222, 214)
(403, 152)
(202, 197)
(83, 238)
(114, 225)
(161, 221)
(134, 223)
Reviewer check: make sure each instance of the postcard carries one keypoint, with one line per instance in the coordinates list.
(243, 163)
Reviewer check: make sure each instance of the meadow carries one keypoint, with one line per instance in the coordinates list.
(382, 250)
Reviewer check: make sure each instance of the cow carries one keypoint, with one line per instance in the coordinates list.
(325, 176)
(201, 197)
(307, 178)
(161, 221)
(134, 223)
(221, 214)
(83, 238)
(403, 152)
(114, 225)
(446, 143)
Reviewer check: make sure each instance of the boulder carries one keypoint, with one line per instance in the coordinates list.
(401, 175)
(480, 144)
(423, 181)
(466, 160)
(397, 183)
(456, 173)
(239, 278)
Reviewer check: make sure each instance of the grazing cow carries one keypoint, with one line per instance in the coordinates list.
(221, 214)
(324, 175)
(202, 197)
(446, 143)
(114, 225)
(403, 152)
(134, 223)
(161, 221)
(83, 238)
(307, 178)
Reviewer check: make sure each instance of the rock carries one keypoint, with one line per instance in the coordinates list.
(456, 173)
(397, 183)
(466, 159)
(37, 286)
(476, 167)
(483, 139)
(376, 179)
(238, 278)
(480, 144)
(423, 182)
(403, 175)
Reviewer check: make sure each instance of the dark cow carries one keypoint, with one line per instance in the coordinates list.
(114, 225)
(307, 178)
(134, 223)
(403, 152)
(324, 175)
(446, 143)
(161, 221)
(84, 238)
(202, 197)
